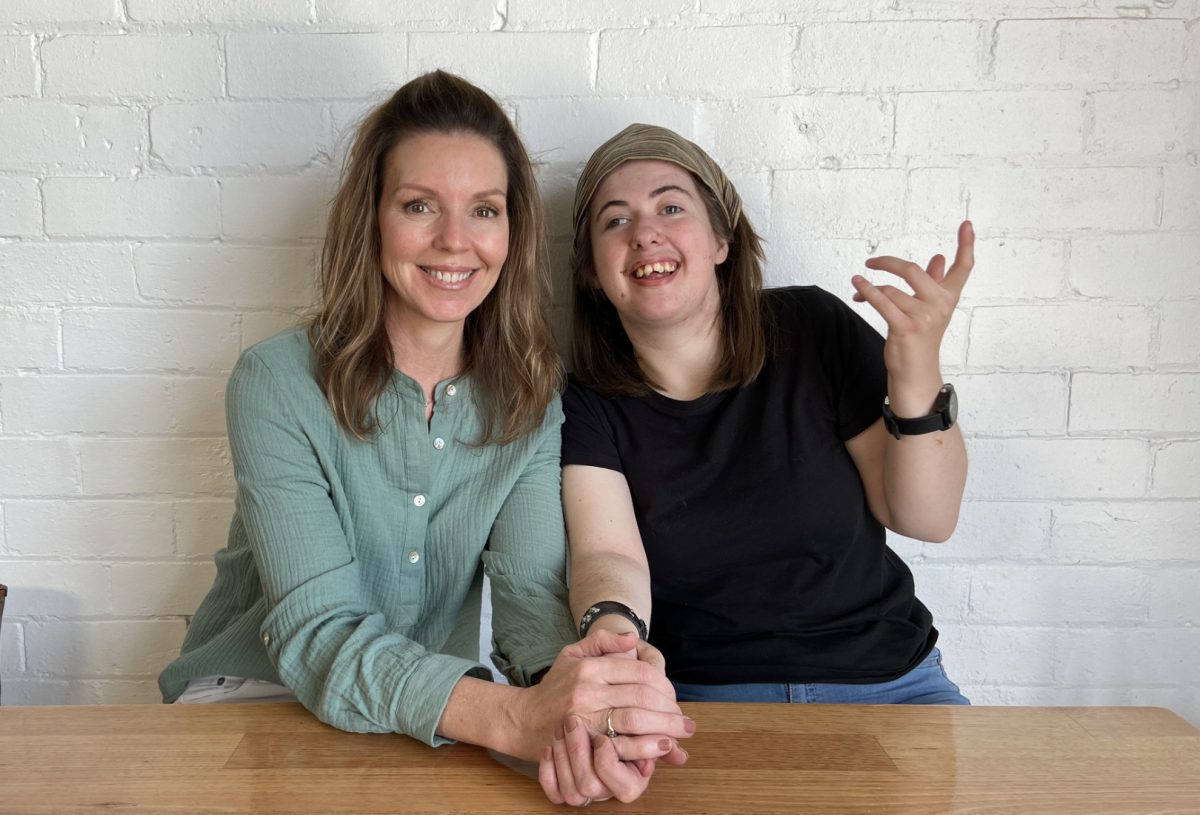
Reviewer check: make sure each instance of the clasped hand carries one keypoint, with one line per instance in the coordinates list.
(607, 679)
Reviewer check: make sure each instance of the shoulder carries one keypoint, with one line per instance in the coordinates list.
(287, 351)
(283, 364)
(581, 398)
(804, 303)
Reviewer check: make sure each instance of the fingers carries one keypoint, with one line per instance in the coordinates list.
(912, 274)
(564, 772)
(677, 756)
(548, 776)
(633, 748)
(650, 655)
(629, 678)
(878, 300)
(579, 754)
(627, 781)
(601, 642)
(928, 281)
(936, 268)
(964, 258)
(638, 721)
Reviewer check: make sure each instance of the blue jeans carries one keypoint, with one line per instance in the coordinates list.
(926, 684)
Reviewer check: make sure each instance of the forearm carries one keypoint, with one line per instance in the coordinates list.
(480, 712)
(923, 476)
(606, 575)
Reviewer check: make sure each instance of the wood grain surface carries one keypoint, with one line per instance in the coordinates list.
(755, 759)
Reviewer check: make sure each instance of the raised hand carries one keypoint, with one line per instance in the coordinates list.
(917, 322)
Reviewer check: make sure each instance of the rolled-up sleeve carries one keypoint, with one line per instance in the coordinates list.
(526, 563)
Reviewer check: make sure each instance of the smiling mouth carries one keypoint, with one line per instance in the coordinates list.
(656, 269)
(447, 277)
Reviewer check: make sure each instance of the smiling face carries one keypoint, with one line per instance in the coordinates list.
(443, 228)
(654, 251)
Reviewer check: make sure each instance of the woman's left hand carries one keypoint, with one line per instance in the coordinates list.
(917, 322)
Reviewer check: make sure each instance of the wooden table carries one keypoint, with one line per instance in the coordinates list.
(744, 759)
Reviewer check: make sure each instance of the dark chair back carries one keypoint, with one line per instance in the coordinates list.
(3, 594)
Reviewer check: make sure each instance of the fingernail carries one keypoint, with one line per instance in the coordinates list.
(572, 723)
(689, 725)
(558, 732)
(597, 740)
(664, 745)
(685, 753)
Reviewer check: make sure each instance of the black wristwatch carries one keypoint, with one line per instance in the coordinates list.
(611, 607)
(945, 412)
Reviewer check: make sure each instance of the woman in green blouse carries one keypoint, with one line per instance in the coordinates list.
(403, 445)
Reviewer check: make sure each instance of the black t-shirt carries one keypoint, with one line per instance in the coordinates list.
(765, 563)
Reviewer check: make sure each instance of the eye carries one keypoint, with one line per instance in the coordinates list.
(672, 209)
(417, 207)
(487, 211)
(619, 220)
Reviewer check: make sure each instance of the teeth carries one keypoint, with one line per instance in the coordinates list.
(651, 268)
(447, 277)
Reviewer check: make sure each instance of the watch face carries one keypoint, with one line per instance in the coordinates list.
(952, 408)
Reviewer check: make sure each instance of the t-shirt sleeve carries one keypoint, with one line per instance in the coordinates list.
(851, 354)
(587, 436)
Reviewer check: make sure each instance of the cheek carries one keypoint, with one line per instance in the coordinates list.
(495, 244)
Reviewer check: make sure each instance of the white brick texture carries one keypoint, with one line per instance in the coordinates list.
(299, 66)
(52, 136)
(142, 207)
(20, 207)
(166, 168)
(509, 64)
(18, 72)
(865, 57)
(132, 66)
(726, 62)
(239, 134)
(1073, 52)
(276, 12)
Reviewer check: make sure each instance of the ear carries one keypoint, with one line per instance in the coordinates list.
(722, 252)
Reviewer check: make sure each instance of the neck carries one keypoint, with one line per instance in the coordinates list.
(429, 355)
(679, 359)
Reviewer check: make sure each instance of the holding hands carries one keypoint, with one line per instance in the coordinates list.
(917, 322)
(608, 744)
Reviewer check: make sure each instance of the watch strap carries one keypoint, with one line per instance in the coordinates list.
(605, 607)
(942, 417)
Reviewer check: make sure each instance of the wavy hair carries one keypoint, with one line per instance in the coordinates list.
(508, 346)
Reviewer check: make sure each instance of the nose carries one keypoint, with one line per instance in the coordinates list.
(645, 233)
(451, 233)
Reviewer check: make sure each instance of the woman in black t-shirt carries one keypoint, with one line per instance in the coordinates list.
(732, 455)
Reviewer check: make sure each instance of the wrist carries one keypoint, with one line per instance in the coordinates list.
(613, 623)
(611, 608)
(910, 399)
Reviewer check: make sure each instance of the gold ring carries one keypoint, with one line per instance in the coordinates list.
(586, 802)
(612, 734)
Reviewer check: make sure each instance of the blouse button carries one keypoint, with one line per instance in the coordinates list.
(266, 638)
(413, 557)
(451, 390)
(438, 444)
(419, 500)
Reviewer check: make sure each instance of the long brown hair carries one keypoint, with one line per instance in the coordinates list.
(508, 347)
(601, 354)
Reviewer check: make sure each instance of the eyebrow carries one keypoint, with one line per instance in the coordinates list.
(405, 185)
(653, 194)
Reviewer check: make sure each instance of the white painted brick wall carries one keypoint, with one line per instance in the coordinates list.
(166, 168)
